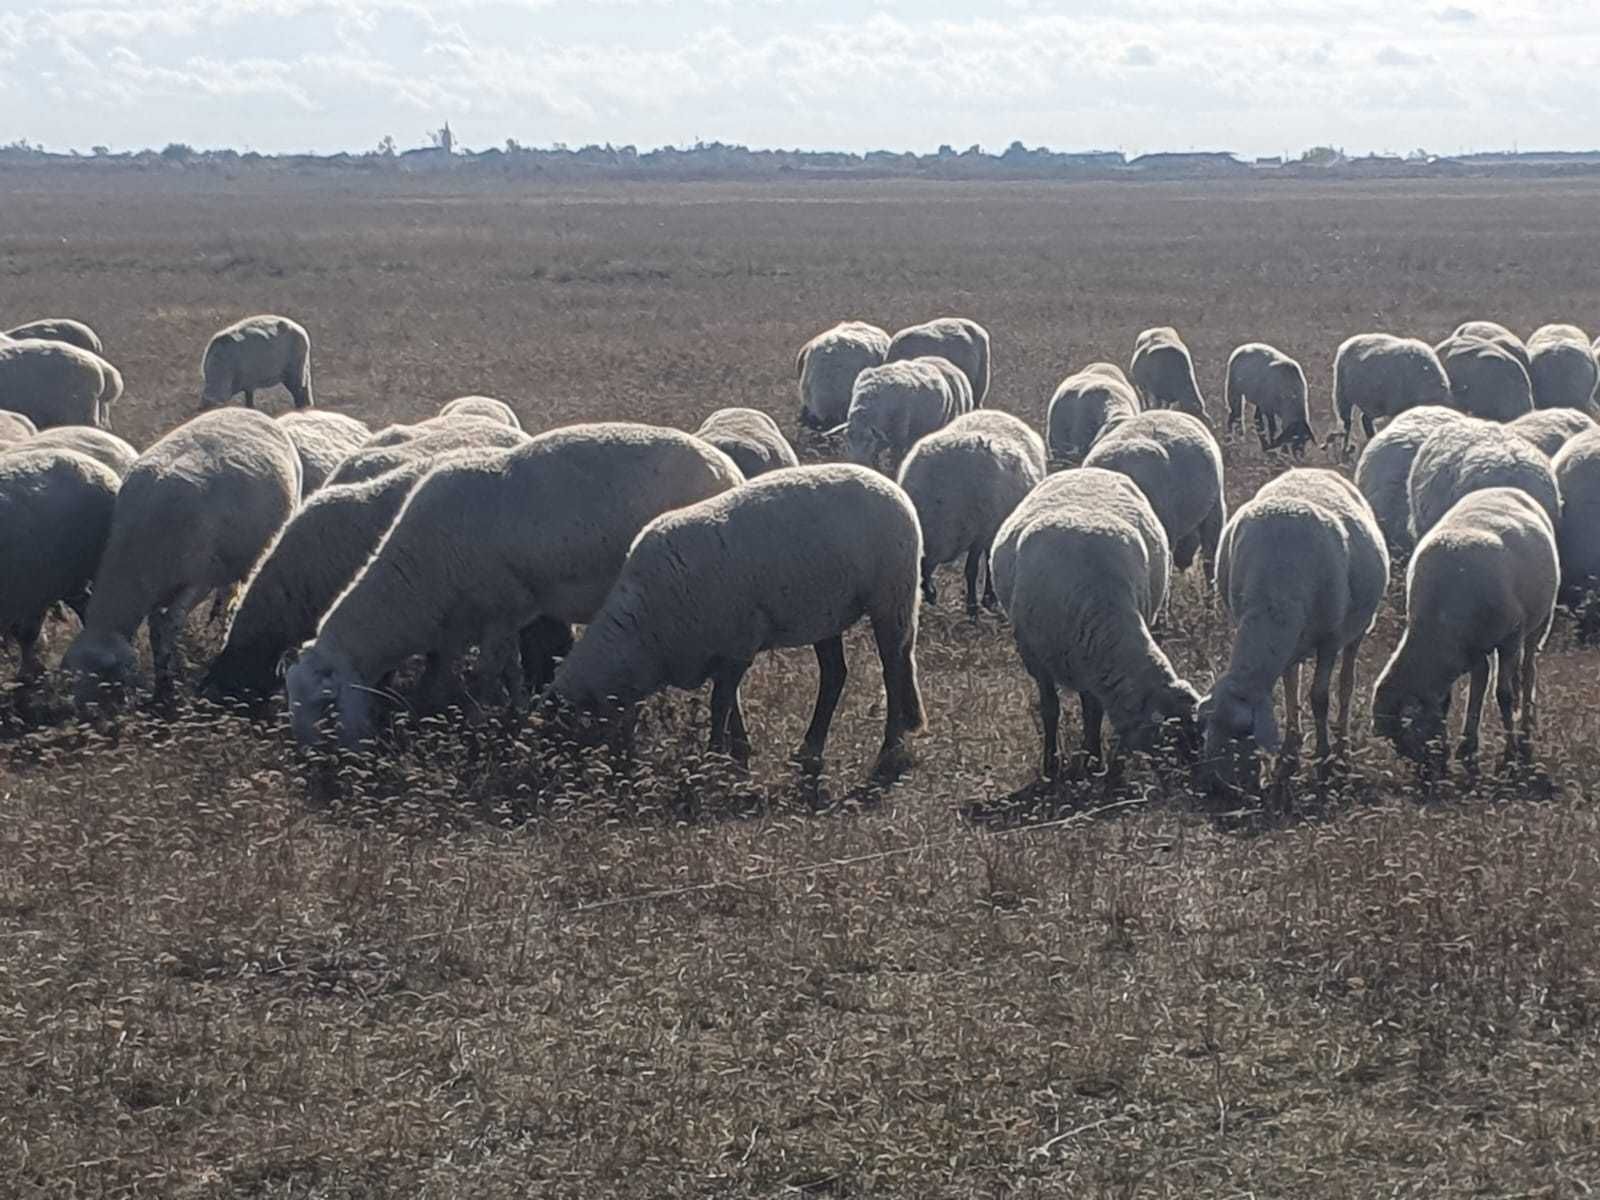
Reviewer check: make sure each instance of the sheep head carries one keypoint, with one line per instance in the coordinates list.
(100, 660)
(321, 684)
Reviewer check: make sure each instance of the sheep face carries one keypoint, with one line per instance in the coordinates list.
(103, 664)
(1415, 724)
(1168, 720)
(215, 381)
(864, 445)
(1234, 728)
(320, 685)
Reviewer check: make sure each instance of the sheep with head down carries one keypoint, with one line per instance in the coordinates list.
(964, 480)
(1275, 386)
(1549, 429)
(323, 440)
(485, 545)
(1383, 472)
(1382, 376)
(827, 366)
(1162, 371)
(1085, 403)
(1081, 569)
(894, 405)
(749, 437)
(1496, 333)
(58, 329)
(52, 383)
(1461, 457)
(258, 352)
(15, 428)
(103, 447)
(192, 516)
(481, 406)
(957, 340)
(1485, 379)
(426, 440)
(1577, 470)
(1562, 366)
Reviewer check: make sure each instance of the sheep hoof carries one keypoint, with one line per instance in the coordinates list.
(808, 760)
(893, 762)
(972, 613)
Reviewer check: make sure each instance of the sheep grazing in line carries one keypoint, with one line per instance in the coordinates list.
(1301, 571)
(1577, 470)
(1382, 376)
(1163, 372)
(793, 558)
(193, 516)
(323, 440)
(1461, 457)
(58, 329)
(1275, 386)
(964, 481)
(1549, 429)
(481, 406)
(15, 428)
(1482, 586)
(1562, 366)
(896, 404)
(486, 544)
(955, 339)
(52, 383)
(1084, 404)
(257, 352)
(1485, 380)
(749, 437)
(1498, 334)
(103, 447)
(1383, 472)
(1081, 570)
(428, 440)
(55, 513)
(827, 366)
(1178, 466)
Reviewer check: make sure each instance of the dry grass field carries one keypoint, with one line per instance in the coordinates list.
(484, 969)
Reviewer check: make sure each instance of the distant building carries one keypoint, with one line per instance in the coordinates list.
(1194, 162)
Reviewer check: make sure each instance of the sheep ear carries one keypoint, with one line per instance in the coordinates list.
(1266, 729)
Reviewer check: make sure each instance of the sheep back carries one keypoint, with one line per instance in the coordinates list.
(1177, 464)
(1561, 365)
(15, 428)
(423, 441)
(749, 437)
(1163, 372)
(1383, 472)
(1549, 429)
(1577, 472)
(481, 406)
(105, 448)
(1485, 380)
(827, 366)
(257, 352)
(1459, 458)
(58, 329)
(1085, 403)
(53, 383)
(1383, 376)
(894, 405)
(323, 440)
(957, 340)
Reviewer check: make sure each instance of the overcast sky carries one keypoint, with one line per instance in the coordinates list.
(1258, 76)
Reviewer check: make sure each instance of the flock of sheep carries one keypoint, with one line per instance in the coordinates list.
(339, 555)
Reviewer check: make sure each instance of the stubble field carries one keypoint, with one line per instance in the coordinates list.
(487, 970)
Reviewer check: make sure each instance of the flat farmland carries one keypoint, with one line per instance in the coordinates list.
(480, 967)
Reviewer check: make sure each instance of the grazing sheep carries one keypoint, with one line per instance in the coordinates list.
(1163, 372)
(257, 352)
(749, 437)
(964, 480)
(1485, 380)
(1081, 570)
(827, 367)
(105, 448)
(1577, 470)
(52, 383)
(1383, 376)
(1549, 429)
(55, 512)
(1084, 404)
(1383, 472)
(58, 329)
(1482, 585)
(426, 441)
(1493, 331)
(793, 558)
(955, 339)
(1562, 367)
(1275, 387)
(1178, 465)
(193, 515)
(323, 440)
(894, 405)
(1461, 457)
(486, 544)
(481, 406)
(1301, 571)
(15, 428)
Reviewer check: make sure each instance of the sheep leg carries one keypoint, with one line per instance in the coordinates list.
(1261, 429)
(1210, 537)
(249, 397)
(540, 643)
(166, 623)
(1467, 750)
(1367, 427)
(832, 673)
(726, 713)
(1321, 679)
(1050, 725)
(1508, 686)
(1094, 716)
(974, 561)
(1347, 691)
(1530, 678)
(31, 667)
(1291, 709)
(990, 600)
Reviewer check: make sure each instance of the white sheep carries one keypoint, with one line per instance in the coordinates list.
(52, 383)
(1562, 366)
(15, 428)
(1482, 587)
(1163, 372)
(257, 352)
(481, 406)
(1493, 331)
(1549, 429)
(1275, 386)
(55, 513)
(895, 404)
(1461, 457)
(749, 437)
(1383, 472)
(1081, 569)
(1382, 376)
(1577, 470)
(58, 329)
(956, 339)
(103, 447)
(1485, 379)
(1084, 403)
(1301, 571)
(826, 368)
(194, 514)
(964, 480)
(1178, 465)
(486, 544)
(427, 440)
(323, 440)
